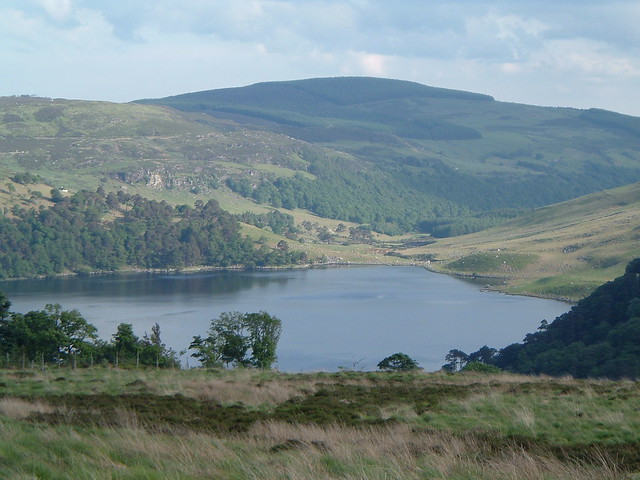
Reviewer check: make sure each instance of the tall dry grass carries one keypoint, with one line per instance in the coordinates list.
(17, 408)
(400, 451)
(521, 465)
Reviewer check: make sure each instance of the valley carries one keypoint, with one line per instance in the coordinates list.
(369, 170)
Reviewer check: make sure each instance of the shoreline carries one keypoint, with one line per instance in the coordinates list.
(200, 269)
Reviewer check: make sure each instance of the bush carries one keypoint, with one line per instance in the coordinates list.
(480, 367)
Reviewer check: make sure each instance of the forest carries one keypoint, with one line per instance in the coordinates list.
(98, 231)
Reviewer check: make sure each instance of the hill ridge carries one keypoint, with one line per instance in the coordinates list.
(307, 86)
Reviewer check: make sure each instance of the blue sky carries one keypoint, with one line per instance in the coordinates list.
(559, 53)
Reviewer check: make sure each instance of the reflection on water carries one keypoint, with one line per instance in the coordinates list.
(350, 317)
(144, 284)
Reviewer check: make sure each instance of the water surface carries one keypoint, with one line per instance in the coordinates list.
(336, 317)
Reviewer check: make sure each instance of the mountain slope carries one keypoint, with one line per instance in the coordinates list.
(451, 154)
(396, 155)
(81, 144)
(561, 250)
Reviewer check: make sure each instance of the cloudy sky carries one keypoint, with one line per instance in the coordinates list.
(576, 53)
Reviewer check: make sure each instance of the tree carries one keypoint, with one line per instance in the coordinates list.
(398, 362)
(264, 334)
(56, 195)
(154, 352)
(483, 355)
(456, 360)
(77, 334)
(207, 351)
(226, 342)
(231, 328)
(239, 339)
(125, 342)
(5, 305)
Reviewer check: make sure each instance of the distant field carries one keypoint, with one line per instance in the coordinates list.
(564, 250)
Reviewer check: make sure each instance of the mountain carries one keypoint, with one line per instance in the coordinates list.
(473, 164)
(396, 155)
(389, 155)
(409, 156)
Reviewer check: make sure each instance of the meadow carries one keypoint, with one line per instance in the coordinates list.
(243, 424)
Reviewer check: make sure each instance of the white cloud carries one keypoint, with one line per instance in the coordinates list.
(58, 9)
(371, 64)
(584, 57)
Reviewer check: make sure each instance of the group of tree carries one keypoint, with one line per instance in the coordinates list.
(98, 231)
(478, 361)
(54, 336)
(239, 339)
(279, 223)
(397, 196)
(26, 178)
(598, 337)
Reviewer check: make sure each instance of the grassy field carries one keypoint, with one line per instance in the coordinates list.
(564, 250)
(244, 424)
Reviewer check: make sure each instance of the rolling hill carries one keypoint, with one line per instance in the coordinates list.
(565, 250)
(82, 144)
(429, 156)
(389, 155)
(396, 155)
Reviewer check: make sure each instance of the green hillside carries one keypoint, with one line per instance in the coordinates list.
(389, 155)
(442, 161)
(396, 155)
(146, 149)
(563, 250)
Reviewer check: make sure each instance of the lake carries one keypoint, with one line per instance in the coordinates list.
(332, 318)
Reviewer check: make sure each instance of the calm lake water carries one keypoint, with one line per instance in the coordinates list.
(348, 317)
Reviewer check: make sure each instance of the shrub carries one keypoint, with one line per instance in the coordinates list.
(480, 367)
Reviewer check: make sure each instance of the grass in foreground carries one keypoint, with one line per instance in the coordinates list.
(105, 423)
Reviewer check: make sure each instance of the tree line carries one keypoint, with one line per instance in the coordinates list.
(54, 336)
(98, 231)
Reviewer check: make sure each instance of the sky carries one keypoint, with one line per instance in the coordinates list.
(568, 53)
